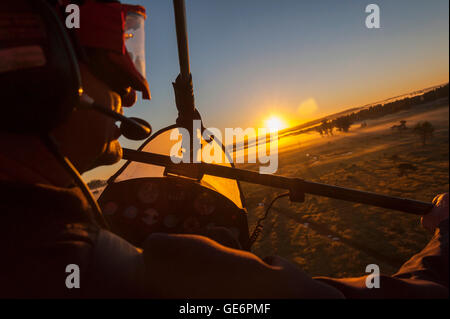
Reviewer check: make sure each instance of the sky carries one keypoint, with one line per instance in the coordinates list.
(295, 59)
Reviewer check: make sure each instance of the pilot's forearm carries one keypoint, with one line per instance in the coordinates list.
(183, 266)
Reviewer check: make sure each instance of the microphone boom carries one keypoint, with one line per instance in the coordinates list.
(131, 127)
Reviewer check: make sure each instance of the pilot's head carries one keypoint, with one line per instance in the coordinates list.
(112, 66)
(42, 61)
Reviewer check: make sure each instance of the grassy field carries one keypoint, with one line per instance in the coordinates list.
(336, 238)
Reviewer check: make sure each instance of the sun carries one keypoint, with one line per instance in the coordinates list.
(275, 123)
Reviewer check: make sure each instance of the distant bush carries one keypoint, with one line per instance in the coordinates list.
(343, 123)
(424, 130)
(326, 128)
(401, 127)
(395, 158)
(404, 168)
(96, 183)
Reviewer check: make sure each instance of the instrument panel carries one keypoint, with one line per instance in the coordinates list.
(138, 207)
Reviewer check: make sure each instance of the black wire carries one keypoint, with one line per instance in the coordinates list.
(259, 227)
(97, 216)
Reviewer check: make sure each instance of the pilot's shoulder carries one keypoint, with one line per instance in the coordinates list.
(117, 267)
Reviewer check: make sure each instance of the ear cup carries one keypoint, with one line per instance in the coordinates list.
(39, 73)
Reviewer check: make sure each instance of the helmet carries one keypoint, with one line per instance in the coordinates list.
(40, 82)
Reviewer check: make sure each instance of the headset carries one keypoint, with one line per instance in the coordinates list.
(40, 81)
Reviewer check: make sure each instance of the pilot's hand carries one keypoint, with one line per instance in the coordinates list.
(438, 214)
(294, 274)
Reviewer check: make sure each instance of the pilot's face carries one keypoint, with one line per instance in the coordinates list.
(88, 138)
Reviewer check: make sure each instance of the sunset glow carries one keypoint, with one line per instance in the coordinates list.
(275, 123)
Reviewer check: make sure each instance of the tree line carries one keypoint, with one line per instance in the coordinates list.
(343, 123)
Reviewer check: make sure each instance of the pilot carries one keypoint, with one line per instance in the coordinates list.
(48, 233)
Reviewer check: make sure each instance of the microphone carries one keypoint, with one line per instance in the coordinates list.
(131, 127)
